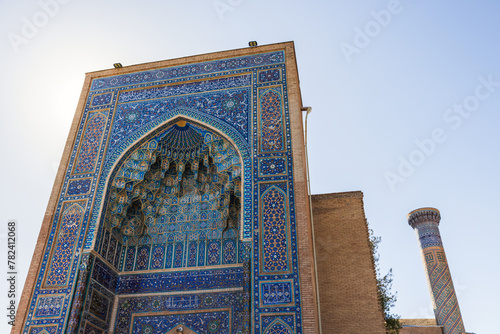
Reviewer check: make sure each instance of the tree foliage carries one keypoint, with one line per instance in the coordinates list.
(384, 285)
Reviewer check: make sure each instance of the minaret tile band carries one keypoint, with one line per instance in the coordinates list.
(426, 223)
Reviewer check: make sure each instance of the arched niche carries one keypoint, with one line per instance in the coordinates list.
(174, 200)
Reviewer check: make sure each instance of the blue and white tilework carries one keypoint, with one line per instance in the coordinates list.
(180, 180)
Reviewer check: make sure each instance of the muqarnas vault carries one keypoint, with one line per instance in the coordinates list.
(181, 206)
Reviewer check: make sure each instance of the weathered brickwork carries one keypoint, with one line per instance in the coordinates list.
(346, 274)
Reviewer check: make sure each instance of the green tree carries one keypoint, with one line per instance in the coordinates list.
(384, 285)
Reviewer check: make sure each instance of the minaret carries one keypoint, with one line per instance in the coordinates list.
(426, 223)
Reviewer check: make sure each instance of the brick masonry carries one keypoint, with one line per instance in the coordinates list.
(346, 274)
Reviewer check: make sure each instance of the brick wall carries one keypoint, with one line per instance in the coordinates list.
(347, 284)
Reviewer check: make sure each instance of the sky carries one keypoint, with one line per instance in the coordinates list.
(405, 99)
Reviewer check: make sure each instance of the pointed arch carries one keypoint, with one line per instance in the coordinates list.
(278, 327)
(180, 186)
(117, 151)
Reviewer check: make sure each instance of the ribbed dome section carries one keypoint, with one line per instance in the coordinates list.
(182, 143)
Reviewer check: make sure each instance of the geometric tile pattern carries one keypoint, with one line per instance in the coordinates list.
(181, 281)
(95, 312)
(102, 99)
(49, 306)
(429, 235)
(274, 229)
(104, 275)
(63, 250)
(271, 121)
(446, 305)
(278, 328)
(99, 306)
(426, 223)
(269, 75)
(43, 330)
(78, 187)
(91, 143)
(272, 166)
(78, 297)
(277, 245)
(278, 324)
(89, 328)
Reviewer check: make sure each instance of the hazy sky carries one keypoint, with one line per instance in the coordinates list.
(405, 97)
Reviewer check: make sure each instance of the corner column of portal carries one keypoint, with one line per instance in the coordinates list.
(426, 223)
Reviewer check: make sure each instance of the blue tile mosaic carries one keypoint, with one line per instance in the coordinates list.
(50, 306)
(275, 244)
(102, 99)
(99, 306)
(91, 143)
(272, 166)
(202, 322)
(269, 75)
(229, 106)
(43, 330)
(278, 324)
(189, 70)
(271, 121)
(78, 187)
(90, 328)
(276, 293)
(243, 102)
(187, 88)
(62, 256)
(181, 281)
